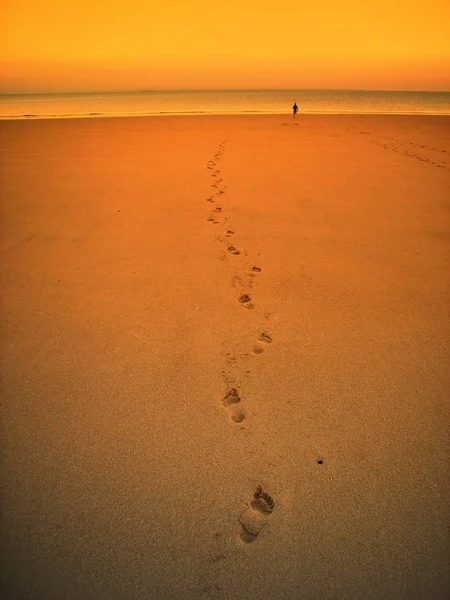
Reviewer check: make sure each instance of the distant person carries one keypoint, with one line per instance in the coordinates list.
(294, 109)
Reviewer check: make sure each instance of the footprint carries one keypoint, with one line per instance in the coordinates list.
(264, 338)
(233, 250)
(258, 349)
(246, 301)
(230, 232)
(218, 209)
(254, 271)
(255, 517)
(232, 401)
(231, 397)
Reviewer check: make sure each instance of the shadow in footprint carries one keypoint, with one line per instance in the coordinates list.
(233, 250)
(255, 517)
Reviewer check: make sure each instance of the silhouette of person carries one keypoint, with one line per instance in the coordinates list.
(294, 109)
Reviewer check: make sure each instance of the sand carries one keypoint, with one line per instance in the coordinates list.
(189, 413)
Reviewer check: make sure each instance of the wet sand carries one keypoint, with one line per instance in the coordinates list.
(225, 359)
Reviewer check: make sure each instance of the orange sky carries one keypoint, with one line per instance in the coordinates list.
(65, 45)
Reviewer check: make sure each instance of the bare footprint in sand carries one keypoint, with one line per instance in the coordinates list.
(232, 401)
(255, 271)
(263, 339)
(255, 517)
(246, 301)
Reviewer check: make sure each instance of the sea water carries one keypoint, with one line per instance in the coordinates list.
(95, 104)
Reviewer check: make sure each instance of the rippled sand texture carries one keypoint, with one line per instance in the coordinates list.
(225, 358)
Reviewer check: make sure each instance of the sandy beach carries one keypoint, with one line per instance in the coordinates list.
(225, 357)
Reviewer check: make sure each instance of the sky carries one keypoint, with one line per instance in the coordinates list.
(91, 45)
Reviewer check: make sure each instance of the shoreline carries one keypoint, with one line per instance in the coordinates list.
(37, 117)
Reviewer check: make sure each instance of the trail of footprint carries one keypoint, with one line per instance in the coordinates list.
(402, 150)
(261, 505)
(212, 165)
(255, 517)
(232, 401)
(263, 339)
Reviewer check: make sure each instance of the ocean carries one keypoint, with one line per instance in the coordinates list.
(107, 104)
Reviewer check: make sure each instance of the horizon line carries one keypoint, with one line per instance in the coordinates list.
(181, 90)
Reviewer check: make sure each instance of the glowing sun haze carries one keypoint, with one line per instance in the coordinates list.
(84, 45)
